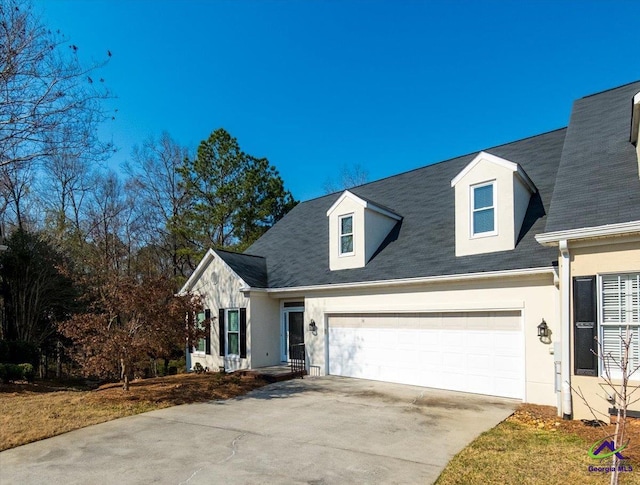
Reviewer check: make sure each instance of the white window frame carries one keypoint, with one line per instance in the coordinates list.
(227, 332)
(341, 235)
(196, 348)
(494, 207)
(633, 326)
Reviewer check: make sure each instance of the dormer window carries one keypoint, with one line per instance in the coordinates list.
(346, 235)
(492, 198)
(483, 209)
(352, 214)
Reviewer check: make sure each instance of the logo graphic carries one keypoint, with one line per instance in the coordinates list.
(598, 452)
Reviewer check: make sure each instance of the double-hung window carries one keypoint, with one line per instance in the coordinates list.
(620, 322)
(346, 234)
(483, 209)
(233, 332)
(201, 344)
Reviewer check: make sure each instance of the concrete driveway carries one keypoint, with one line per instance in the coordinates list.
(314, 431)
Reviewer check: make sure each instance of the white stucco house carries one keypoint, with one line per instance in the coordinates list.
(443, 276)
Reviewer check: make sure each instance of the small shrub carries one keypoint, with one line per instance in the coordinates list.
(180, 365)
(11, 373)
(3, 373)
(198, 369)
(28, 372)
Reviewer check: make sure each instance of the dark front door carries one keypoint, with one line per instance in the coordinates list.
(294, 328)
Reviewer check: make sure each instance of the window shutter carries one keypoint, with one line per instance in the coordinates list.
(190, 324)
(221, 335)
(207, 340)
(243, 332)
(585, 326)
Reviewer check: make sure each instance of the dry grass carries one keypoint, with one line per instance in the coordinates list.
(31, 412)
(534, 446)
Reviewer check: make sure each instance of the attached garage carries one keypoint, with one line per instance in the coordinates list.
(478, 352)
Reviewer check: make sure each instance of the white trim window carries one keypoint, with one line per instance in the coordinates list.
(483, 209)
(233, 332)
(620, 313)
(345, 225)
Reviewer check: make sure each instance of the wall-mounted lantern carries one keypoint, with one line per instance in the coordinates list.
(543, 330)
(312, 326)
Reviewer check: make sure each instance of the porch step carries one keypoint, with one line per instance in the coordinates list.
(271, 375)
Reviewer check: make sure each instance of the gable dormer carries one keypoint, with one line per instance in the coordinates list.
(635, 127)
(357, 228)
(491, 197)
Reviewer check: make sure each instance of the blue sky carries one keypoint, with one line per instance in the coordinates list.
(315, 86)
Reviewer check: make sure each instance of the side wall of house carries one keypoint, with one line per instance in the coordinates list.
(219, 288)
(613, 255)
(264, 339)
(535, 296)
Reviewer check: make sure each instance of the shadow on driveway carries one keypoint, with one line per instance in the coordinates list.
(316, 430)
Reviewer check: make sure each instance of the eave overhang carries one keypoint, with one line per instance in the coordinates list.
(608, 230)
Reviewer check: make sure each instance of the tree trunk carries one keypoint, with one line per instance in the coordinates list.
(124, 375)
(58, 359)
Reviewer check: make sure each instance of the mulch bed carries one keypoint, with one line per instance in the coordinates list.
(546, 418)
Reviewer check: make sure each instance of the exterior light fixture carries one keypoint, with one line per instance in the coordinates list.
(543, 330)
(313, 327)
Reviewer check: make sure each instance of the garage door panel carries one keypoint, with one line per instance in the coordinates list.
(481, 363)
(479, 352)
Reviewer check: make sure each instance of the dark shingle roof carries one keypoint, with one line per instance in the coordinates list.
(423, 243)
(597, 180)
(252, 269)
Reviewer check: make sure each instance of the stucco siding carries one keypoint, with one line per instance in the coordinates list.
(612, 255)
(263, 342)
(535, 296)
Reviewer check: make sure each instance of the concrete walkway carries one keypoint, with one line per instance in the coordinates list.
(313, 431)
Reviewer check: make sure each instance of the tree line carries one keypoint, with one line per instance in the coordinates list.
(94, 256)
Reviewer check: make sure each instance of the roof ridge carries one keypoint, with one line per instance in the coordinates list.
(436, 163)
(610, 89)
(238, 253)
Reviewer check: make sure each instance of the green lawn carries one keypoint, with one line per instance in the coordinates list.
(519, 454)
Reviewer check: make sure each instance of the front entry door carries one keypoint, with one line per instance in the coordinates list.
(293, 331)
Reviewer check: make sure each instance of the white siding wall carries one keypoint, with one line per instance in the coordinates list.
(264, 322)
(219, 288)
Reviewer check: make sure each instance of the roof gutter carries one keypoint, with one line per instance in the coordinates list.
(513, 273)
(620, 229)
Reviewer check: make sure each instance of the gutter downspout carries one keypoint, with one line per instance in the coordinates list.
(565, 302)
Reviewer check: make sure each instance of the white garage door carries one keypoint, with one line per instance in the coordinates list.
(480, 352)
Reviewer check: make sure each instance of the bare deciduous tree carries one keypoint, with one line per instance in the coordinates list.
(161, 198)
(49, 101)
(16, 182)
(65, 189)
(349, 177)
(617, 373)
